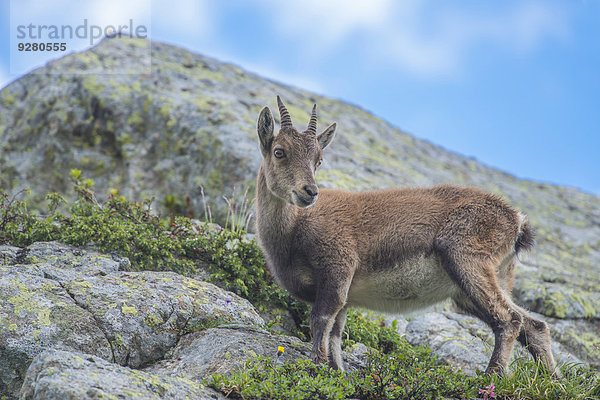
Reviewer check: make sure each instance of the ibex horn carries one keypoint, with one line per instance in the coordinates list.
(312, 124)
(286, 120)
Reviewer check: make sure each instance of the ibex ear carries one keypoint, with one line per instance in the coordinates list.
(264, 126)
(326, 136)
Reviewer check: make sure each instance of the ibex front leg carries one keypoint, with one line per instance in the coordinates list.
(335, 341)
(331, 298)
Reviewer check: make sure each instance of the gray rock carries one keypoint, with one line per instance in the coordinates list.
(8, 254)
(74, 259)
(62, 297)
(35, 314)
(467, 343)
(555, 299)
(580, 338)
(220, 351)
(201, 354)
(144, 313)
(450, 341)
(360, 351)
(61, 375)
(397, 321)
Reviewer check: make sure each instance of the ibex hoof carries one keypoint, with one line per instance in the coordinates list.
(318, 358)
(336, 366)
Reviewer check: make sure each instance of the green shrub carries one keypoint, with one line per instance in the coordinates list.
(406, 375)
(153, 243)
(369, 330)
(411, 373)
(261, 378)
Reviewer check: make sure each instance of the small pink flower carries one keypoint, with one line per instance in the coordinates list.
(488, 391)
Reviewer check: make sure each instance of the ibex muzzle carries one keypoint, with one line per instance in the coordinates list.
(306, 196)
(388, 250)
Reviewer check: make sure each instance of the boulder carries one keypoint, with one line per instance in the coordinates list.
(450, 341)
(579, 337)
(38, 313)
(466, 342)
(56, 296)
(63, 375)
(221, 350)
(144, 313)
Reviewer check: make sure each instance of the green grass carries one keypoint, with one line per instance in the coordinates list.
(528, 380)
(395, 376)
(396, 370)
(410, 373)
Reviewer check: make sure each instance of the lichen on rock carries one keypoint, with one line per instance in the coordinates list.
(64, 375)
(57, 296)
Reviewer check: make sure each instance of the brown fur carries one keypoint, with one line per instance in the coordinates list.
(390, 250)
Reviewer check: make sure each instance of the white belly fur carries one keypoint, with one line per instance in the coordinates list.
(411, 285)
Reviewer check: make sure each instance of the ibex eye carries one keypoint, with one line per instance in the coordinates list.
(279, 153)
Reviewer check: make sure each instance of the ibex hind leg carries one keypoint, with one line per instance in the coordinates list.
(535, 336)
(482, 297)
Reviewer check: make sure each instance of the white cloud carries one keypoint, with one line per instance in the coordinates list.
(332, 19)
(420, 37)
(63, 12)
(417, 36)
(531, 23)
(117, 12)
(183, 17)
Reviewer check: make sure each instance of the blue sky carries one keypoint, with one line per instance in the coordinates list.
(514, 84)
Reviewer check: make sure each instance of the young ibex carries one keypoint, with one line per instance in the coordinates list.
(388, 250)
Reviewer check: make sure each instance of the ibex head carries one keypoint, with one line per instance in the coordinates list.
(291, 158)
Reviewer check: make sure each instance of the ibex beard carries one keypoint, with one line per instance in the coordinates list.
(388, 250)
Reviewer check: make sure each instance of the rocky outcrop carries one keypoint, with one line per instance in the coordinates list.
(466, 342)
(219, 351)
(61, 375)
(60, 297)
(74, 325)
(191, 124)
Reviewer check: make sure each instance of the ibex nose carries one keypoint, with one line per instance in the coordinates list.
(311, 190)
